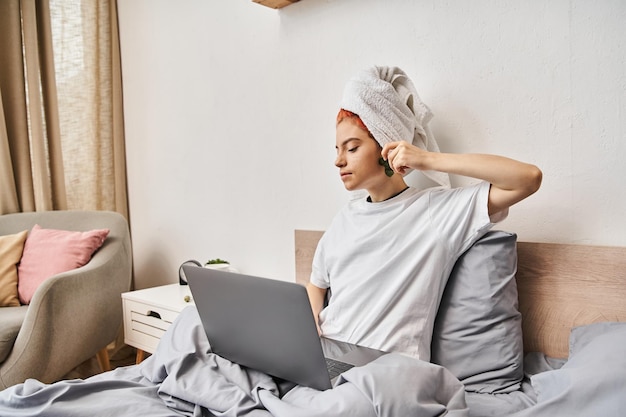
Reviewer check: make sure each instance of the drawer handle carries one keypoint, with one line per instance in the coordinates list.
(154, 314)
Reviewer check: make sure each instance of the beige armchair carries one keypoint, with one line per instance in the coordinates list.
(74, 315)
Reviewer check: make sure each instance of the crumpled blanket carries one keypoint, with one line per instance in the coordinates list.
(184, 378)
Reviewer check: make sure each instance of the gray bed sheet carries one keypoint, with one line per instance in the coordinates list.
(590, 383)
(183, 378)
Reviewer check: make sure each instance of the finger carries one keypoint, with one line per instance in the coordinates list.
(395, 158)
(388, 147)
(396, 161)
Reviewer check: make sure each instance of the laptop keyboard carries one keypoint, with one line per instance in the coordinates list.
(335, 368)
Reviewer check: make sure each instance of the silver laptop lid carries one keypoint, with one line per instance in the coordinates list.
(260, 323)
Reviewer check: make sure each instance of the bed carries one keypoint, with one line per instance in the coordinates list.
(564, 301)
(560, 350)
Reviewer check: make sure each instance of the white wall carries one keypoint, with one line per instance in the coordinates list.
(230, 112)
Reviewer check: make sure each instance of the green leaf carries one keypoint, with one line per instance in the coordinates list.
(216, 261)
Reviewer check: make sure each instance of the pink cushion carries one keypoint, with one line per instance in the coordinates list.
(48, 252)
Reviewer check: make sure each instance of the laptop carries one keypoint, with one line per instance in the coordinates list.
(268, 325)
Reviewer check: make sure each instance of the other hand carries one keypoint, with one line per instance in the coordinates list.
(403, 156)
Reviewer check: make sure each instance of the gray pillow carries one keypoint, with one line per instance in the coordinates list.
(478, 329)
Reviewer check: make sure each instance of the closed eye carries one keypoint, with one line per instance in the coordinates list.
(353, 149)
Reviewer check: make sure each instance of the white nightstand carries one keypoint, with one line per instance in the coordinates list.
(148, 313)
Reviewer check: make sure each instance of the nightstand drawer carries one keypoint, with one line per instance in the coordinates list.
(149, 313)
(145, 324)
(154, 331)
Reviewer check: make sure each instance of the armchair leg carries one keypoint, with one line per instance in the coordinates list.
(103, 359)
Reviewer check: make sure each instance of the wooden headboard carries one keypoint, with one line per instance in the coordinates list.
(560, 286)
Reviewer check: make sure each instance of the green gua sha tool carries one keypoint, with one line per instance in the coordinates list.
(388, 170)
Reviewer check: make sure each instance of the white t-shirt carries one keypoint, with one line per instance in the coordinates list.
(387, 264)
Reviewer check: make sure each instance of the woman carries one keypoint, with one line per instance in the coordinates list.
(386, 258)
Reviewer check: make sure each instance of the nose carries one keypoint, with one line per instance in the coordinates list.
(340, 160)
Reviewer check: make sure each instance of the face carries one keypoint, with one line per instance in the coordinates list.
(357, 158)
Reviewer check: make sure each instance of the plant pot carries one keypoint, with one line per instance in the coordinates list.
(221, 267)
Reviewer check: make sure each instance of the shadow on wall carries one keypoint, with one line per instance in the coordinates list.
(154, 270)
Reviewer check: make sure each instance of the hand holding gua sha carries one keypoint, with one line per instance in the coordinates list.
(388, 170)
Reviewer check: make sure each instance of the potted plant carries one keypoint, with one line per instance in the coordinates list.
(218, 263)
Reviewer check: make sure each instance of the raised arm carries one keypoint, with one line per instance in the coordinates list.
(511, 181)
(316, 298)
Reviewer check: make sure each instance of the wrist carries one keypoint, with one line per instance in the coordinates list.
(431, 161)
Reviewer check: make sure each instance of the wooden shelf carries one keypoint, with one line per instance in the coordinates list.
(275, 4)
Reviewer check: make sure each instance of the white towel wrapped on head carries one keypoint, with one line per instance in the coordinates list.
(388, 104)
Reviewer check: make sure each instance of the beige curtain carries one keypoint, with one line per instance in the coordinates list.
(61, 118)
